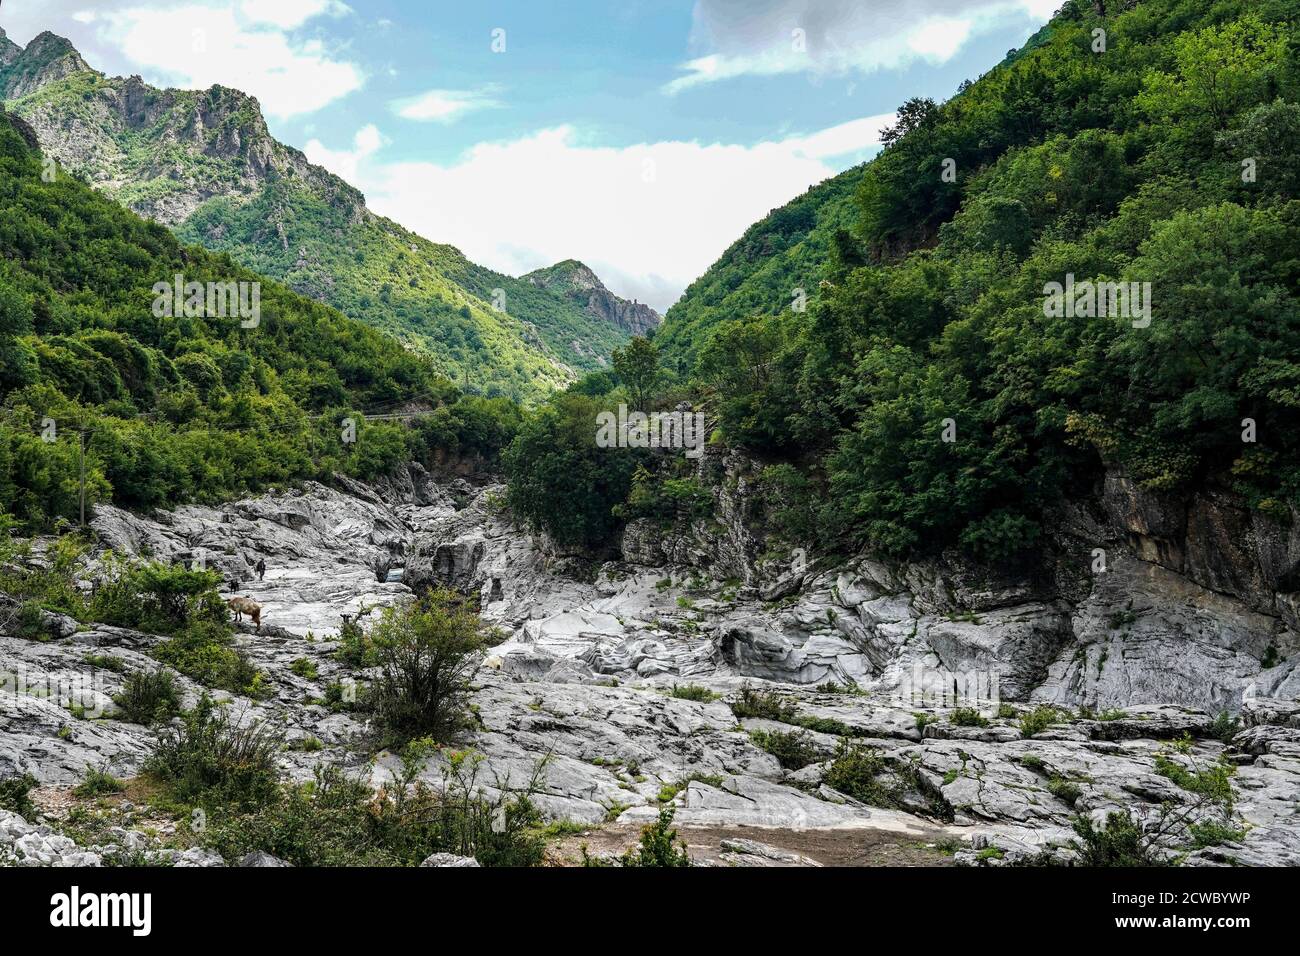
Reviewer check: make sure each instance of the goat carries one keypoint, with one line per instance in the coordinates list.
(242, 606)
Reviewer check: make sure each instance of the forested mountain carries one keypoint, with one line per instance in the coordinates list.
(179, 408)
(929, 395)
(762, 271)
(204, 164)
(576, 281)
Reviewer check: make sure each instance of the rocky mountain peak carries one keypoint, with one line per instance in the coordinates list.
(9, 50)
(577, 281)
(48, 58)
(567, 276)
(48, 44)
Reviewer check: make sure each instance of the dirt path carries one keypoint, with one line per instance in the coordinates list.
(855, 847)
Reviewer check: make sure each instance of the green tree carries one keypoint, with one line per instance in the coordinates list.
(560, 481)
(428, 654)
(638, 368)
(1219, 71)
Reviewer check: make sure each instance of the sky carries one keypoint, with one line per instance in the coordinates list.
(639, 136)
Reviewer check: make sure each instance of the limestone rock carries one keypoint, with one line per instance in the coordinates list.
(449, 860)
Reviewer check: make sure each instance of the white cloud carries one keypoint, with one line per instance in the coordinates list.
(649, 218)
(444, 106)
(251, 45)
(771, 37)
(346, 162)
(289, 14)
(940, 39)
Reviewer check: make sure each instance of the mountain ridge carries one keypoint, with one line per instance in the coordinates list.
(204, 163)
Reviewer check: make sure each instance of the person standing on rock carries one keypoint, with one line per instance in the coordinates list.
(261, 568)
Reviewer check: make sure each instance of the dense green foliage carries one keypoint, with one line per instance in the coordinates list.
(1119, 842)
(560, 481)
(925, 398)
(793, 749)
(339, 820)
(148, 697)
(659, 846)
(15, 795)
(216, 759)
(759, 273)
(183, 408)
(157, 598)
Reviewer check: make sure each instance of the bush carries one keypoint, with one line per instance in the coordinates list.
(694, 692)
(968, 717)
(154, 597)
(1038, 720)
(1214, 833)
(1065, 790)
(339, 821)
(356, 649)
(213, 760)
(49, 585)
(1214, 782)
(1120, 842)
(659, 847)
(1225, 726)
(338, 698)
(305, 668)
(832, 687)
(428, 653)
(30, 624)
(98, 783)
(203, 652)
(107, 662)
(15, 795)
(762, 704)
(148, 698)
(853, 773)
(863, 773)
(793, 750)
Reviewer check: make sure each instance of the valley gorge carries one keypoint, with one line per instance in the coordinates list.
(1132, 659)
(866, 553)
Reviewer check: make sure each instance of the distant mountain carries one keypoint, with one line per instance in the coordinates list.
(47, 59)
(204, 164)
(577, 282)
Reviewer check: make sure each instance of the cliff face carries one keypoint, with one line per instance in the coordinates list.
(9, 50)
(1138, 599)
(165, 153)
(577, 282)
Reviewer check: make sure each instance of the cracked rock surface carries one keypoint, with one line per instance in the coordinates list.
(579, 692)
